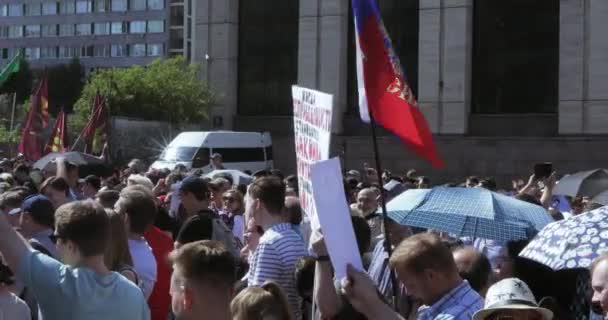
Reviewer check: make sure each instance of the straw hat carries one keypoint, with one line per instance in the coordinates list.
(510, 294)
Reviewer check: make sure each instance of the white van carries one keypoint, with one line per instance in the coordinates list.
(240, 151)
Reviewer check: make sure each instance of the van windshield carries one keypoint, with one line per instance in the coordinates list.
(178, 154)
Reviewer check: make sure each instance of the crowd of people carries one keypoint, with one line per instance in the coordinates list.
(161, 244)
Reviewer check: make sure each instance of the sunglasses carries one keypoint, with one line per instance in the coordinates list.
(229, 200)
(55, 237)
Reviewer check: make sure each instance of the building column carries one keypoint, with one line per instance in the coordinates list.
(444, 64)
(322, 56)
(596, 72)
(215, 45)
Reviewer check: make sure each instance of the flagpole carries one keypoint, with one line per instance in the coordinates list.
(387, 239)
(13, 110)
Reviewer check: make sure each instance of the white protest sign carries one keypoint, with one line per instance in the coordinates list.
(334, 216)
(312, 117)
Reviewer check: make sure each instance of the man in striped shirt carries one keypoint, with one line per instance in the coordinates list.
(280, 246)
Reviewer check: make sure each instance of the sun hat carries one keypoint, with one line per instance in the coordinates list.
(510, 294)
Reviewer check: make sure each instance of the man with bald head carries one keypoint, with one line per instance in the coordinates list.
(473, 267)
(367, 203)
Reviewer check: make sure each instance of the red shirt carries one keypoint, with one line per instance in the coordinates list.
(160, 300)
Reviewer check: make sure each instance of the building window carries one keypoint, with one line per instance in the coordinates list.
(156, 4)
(48, 53)
(137, 50)
(67, 7)
(66, 30)
(118, 27)
(83, 29)
(101, 5)
(118, 50)
(32, 9)
(49, 8)
(15, 10)
(84, 6)
(137, 27)
(515, 56)
(3, 32)
(268, 58)
(15, 32)
(3, 10)
(101, 50)
(102, 28)
(156, 26)
(32, 31)
(119, 5)
(155, 50)
(87, 51)
(66, 52)
(32, 53)
(49, 30)
(137, 5)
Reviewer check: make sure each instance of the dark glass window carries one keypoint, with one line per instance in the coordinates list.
(240, 154)
(516, 56)
(268, 56)
(401, 22)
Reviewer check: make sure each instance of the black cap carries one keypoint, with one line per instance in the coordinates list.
(194, 184)
(196, 228)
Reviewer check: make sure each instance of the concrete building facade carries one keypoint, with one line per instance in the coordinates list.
(498, 97)
(101, 33)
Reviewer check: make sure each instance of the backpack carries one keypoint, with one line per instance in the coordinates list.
(223, 234)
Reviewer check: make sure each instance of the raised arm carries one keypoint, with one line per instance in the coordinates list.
(12, 245)
(62, 169)
(324, 291)
(547, 196)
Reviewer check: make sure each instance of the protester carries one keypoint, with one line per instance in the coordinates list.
(367, 203)
(90, 186)
(265, 302)
(69, 172)
(294, 211)
(11, 307)
(117, 256)
(217, 187)
(232, 213)
(217, 162)
(202, 281)
(136, 179)
(599, 284)
(84, 288)
(10, 205)
(37, 222)
(140, 211)
(280, 246)
(107, 198)
(427, 269)
(473, 267)
(251, 238)
(512, 299)
(57, 190)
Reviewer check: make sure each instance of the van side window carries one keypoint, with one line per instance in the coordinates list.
(269, 154)
(240, 154)
(201, 158)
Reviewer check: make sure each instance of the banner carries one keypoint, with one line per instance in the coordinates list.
(312, 117)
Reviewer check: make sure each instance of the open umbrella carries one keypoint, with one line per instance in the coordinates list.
(87, 164)
(572, 243)
(238, 177)
(469, 212)
(585, 183)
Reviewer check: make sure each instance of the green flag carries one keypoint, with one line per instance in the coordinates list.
(12, 67)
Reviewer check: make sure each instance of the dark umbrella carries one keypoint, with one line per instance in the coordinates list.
(585, 183)
(87, 164)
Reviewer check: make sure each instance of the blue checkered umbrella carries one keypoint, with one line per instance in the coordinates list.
(572, 243)
(469, 212)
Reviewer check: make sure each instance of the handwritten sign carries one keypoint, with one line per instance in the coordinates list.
(312, 116)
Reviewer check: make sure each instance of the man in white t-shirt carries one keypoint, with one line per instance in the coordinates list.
(139, 210)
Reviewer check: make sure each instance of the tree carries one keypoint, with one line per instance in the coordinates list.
(165, 90)
(66, 82)
(20, 82)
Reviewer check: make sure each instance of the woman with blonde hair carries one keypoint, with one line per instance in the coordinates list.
(264, 303)
(117, 257)
(232, 212)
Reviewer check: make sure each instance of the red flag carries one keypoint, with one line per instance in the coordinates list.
(95, 132)
(384, 94)
(37, 119)
(58, 140)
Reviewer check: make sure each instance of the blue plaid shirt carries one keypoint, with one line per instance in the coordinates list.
(459, 304)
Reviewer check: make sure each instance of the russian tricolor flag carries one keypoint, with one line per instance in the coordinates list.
(383, 91)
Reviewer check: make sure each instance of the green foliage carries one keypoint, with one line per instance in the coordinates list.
(20, 82)
(8, 136)
(165, 90)
(66, 82)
